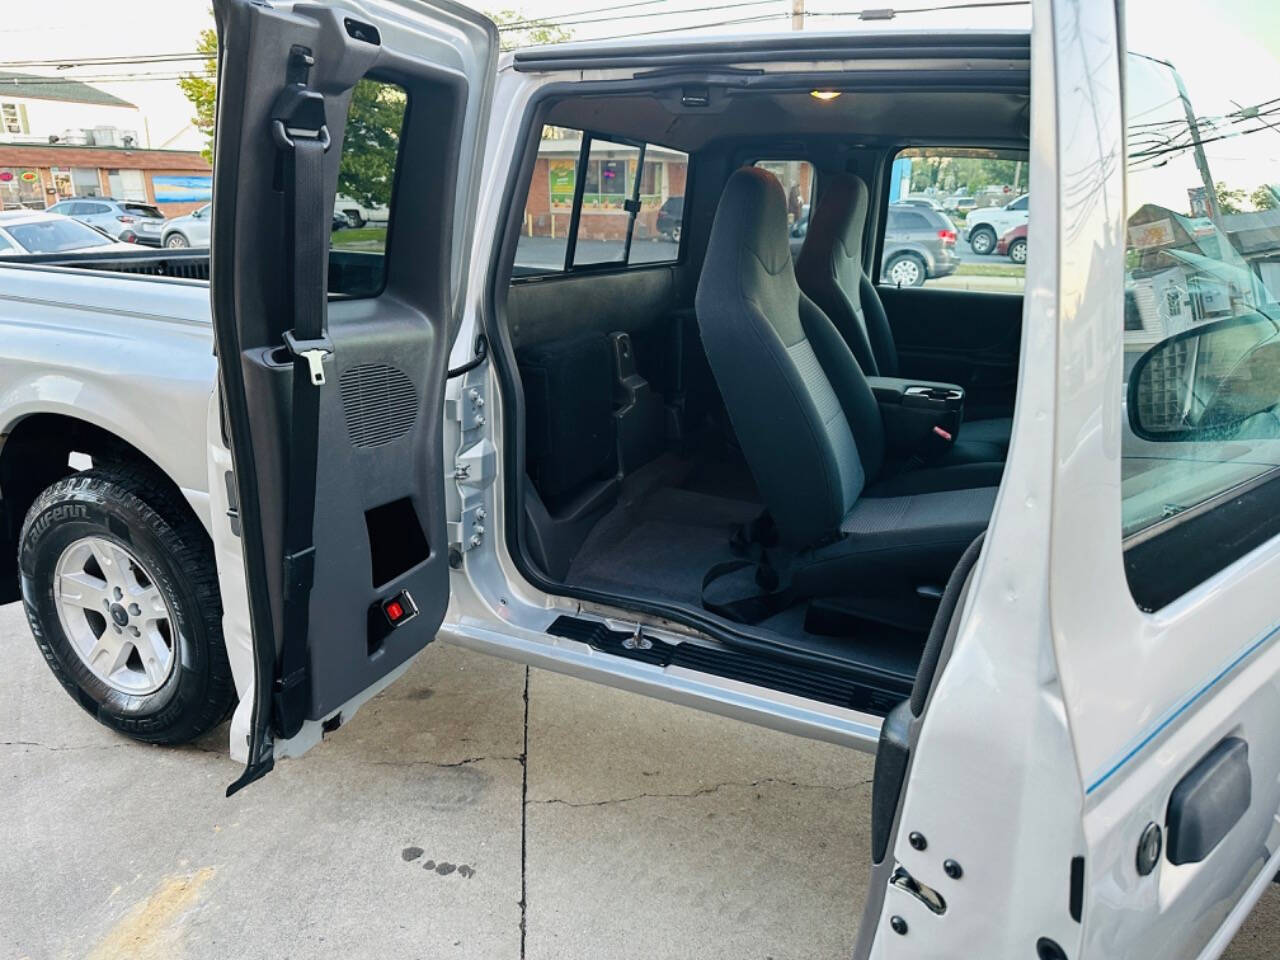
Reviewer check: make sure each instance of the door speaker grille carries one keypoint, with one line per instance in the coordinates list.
(379, 403)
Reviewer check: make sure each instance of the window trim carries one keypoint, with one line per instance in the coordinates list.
(568, 267)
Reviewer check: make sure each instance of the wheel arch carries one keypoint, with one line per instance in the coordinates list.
(35, 451)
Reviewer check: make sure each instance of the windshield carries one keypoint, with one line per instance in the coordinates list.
(55, 235)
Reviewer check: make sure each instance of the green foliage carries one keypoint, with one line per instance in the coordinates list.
(1230, 199)
(1265, 198)
(532, 33)
(368, 162)
(945, 174)
(201, 90)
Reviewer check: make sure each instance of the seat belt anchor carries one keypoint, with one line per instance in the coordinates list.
(313, 352)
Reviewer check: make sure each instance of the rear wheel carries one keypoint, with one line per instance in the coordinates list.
(675, 233)
(176, 241)
(354, 219)
(905, 270)
(982, 240)
(121, 591)
(1018, 251)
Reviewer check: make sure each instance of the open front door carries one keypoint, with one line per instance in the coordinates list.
(332, 337)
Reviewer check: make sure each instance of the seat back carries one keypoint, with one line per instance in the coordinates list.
(829, 270)
(794, 392)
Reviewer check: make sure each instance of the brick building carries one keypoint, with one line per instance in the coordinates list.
(62, 138)
(177, 181)
(610, 177)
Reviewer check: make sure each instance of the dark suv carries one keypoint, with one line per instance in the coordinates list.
(919, 245)
(669, 216)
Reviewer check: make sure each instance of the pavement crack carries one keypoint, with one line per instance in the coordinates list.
(703, 791)
(58, 748)
(436, 763)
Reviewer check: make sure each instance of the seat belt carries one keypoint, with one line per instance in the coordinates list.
(298, 126)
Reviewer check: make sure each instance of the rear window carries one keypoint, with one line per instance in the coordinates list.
(144, 210)
(595, 202)
(797, 178)
(56, 235)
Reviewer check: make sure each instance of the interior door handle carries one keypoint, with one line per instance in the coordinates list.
(1209, 801)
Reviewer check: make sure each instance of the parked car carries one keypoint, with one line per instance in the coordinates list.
(130, 221)
(35, 231)
(919, 245)
(357, 213)
(984, 227)
(1063, 651)
(960, 205)
(670, 216)
(1014, 244)
(189, 230)
(927, 202)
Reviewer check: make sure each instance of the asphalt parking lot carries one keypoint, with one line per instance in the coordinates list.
(474, 809)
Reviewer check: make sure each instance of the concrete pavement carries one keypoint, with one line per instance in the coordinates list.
(474, 809)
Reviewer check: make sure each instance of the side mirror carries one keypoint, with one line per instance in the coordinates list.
(1207, 382)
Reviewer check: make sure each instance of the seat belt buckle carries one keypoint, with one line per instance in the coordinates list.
(312, 351)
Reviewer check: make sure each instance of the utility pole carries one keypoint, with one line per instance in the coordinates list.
(797, 14)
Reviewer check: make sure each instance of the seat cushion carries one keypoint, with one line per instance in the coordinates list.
(923, 515)
(996, 430)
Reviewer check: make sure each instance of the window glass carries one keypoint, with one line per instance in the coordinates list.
(20, 188)
(1202, 264)
(366, 176)
(611, 209)
(127, 184)
(6, 246)
(605, 221)
(55, 235)
(974, 204)
(797, 179)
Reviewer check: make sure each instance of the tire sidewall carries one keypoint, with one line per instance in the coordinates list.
(988, 241)
(1018, 245)
(52, 525)
(170, 245)
(910, 258)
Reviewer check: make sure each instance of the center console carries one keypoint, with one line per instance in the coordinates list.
(921, 418)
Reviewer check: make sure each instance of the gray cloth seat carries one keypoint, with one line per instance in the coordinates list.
(829, 271)
(808, 423)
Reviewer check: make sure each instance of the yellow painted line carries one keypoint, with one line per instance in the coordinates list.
(152, 929)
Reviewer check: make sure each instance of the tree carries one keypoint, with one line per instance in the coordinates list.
(372, 111)
(1265, 198)
(519, 30)
(1230, 199)
(201, 90)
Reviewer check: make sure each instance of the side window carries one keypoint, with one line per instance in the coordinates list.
(6, 246)
(969, 219)
(366, 176)
(797, 182)
(627, 206)
(1202, 271)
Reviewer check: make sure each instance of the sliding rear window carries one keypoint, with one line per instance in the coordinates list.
(595, 202)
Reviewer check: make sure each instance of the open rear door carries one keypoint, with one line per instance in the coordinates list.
(332, 363)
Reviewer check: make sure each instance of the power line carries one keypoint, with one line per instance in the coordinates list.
(120, 61)
(553, 24)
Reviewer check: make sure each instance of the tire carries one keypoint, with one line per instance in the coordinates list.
(906, 270)
(675, 233)
(1018, 251)
(176, 241)
(354, 219)
(156, 547)
(982, 240)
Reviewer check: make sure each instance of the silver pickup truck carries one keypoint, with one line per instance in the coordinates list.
(1020, 545)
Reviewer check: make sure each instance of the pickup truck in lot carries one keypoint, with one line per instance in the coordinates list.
(1022, 547)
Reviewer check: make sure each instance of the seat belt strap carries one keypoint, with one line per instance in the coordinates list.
(298, 126)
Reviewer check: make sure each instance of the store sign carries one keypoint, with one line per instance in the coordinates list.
(28, 176)
(561, 180)
(1157, 233)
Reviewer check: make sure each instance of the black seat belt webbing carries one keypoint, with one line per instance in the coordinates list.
(300, 131)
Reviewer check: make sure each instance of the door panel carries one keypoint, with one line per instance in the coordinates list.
(378, 530)
(967, 337)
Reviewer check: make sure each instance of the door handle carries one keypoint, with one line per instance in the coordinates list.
(1209, 801)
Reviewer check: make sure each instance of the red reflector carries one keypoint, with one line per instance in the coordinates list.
(942, 433)
(393, 610)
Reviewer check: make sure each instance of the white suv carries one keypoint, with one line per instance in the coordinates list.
(986, 226)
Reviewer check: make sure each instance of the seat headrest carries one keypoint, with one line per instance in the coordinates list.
(839, 217)
(752, 215)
